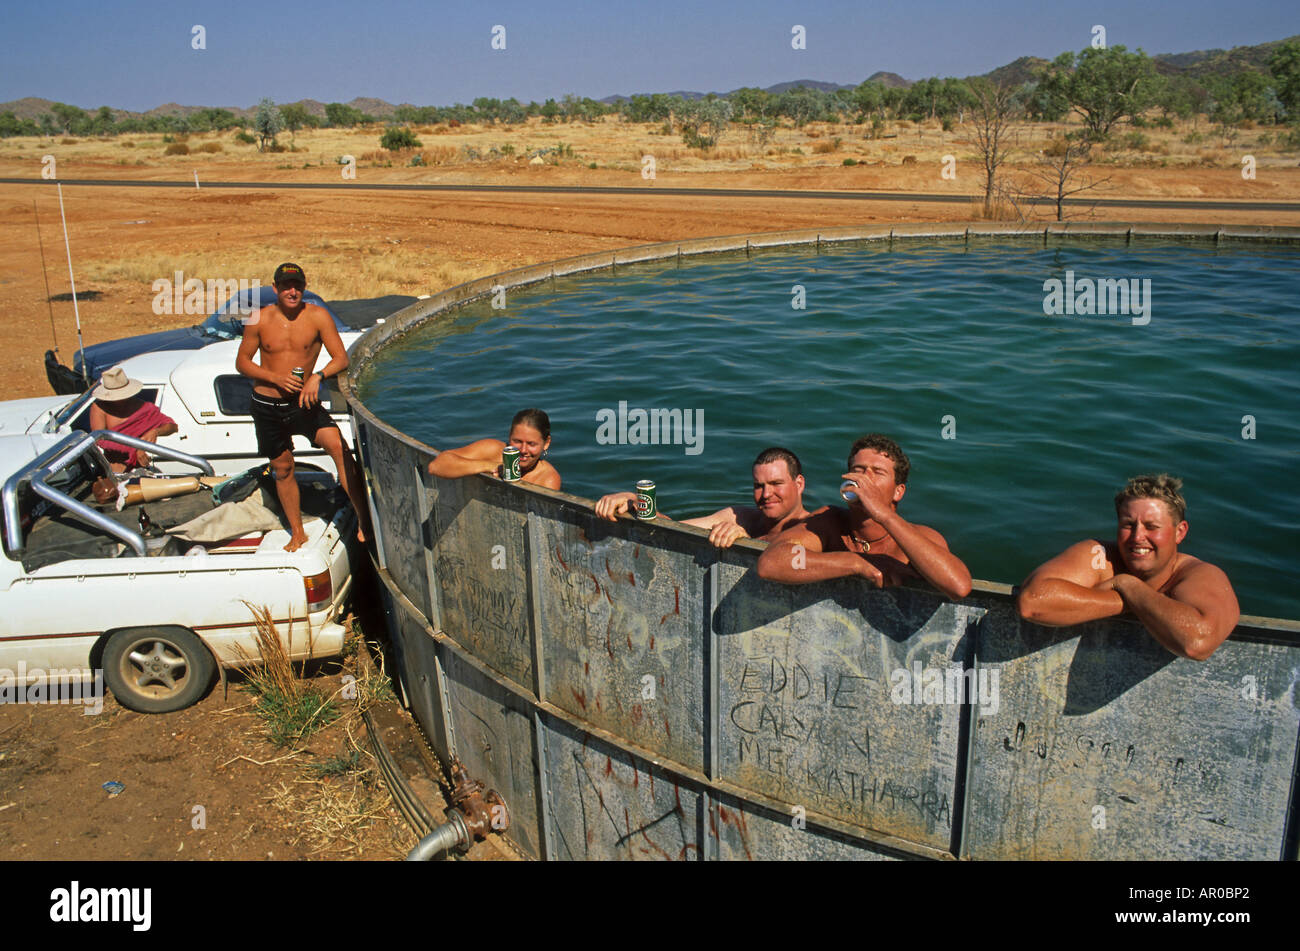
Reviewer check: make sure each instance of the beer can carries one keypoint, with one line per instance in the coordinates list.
(510, 464)
(300, 373)
(848, 490)
(647, 507)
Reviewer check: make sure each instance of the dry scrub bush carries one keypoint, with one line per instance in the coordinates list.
(177, 148)
(999, 210)
(439, 155)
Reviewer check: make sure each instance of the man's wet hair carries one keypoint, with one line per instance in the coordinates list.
(886, 447)
(775, 454)
(534, 418)
(1164, 487)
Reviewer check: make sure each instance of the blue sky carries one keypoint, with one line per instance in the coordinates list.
(137, 55)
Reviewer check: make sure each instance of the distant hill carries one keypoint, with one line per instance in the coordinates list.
(29, 108)
(1197, 64)
(375, 107)
(807, 84)
(313, 107)
(889, 79)
(176, 109)
(1202, 63)
(1019, 71)
(772, 90)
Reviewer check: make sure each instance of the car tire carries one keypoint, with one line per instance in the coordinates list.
(157, 669)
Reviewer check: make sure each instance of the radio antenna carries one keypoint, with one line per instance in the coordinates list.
(81, 346)
(45, 274)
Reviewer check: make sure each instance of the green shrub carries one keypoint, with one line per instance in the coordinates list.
(850, 161)
(246, 138)
(396, 138)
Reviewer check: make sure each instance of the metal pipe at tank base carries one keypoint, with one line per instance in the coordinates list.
(473, 814)
(452, 834)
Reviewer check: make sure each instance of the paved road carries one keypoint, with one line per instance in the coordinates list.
(677, 192)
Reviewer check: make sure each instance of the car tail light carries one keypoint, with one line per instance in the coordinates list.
(319, 589)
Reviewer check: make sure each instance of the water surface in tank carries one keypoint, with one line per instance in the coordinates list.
(1020, 424)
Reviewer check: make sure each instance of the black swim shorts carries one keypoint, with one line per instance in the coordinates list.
(276, 421)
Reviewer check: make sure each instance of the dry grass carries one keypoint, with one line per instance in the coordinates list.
(439, 155)
(1000, 209)
(345, 269)
(271, 670)
(336, 817)
(339, 804)
(291, 710)
(609, 142)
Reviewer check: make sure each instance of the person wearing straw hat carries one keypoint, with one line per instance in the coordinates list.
(118, 407)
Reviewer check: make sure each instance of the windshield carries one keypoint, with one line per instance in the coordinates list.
(223, 326)
(69, 412)
(228, 323)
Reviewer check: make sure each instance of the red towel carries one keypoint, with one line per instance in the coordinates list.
(147, 417)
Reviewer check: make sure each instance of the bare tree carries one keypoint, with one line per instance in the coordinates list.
(1061, 166)
(994, 108)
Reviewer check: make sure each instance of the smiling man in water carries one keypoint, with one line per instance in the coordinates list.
(289, 334)
(1188, 605)
(778, 503)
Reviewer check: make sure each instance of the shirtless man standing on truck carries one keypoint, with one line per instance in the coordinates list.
(289, 335)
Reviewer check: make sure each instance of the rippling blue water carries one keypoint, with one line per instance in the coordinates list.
(1051, 413)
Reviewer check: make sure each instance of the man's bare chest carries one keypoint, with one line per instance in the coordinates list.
(278, 335)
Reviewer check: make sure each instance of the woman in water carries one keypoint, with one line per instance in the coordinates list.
(530, 433)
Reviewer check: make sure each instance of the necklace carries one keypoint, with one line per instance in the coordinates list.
(865, 543)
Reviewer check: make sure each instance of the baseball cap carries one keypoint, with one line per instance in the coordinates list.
(289, 272)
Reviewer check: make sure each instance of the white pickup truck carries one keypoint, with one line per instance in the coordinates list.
(83, 588)
(201, 391)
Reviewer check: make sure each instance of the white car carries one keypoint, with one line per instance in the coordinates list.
(203, 393)
(85, 587)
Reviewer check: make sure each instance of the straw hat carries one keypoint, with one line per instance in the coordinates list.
(115, 385)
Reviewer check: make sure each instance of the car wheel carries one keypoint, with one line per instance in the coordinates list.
(157, 669)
